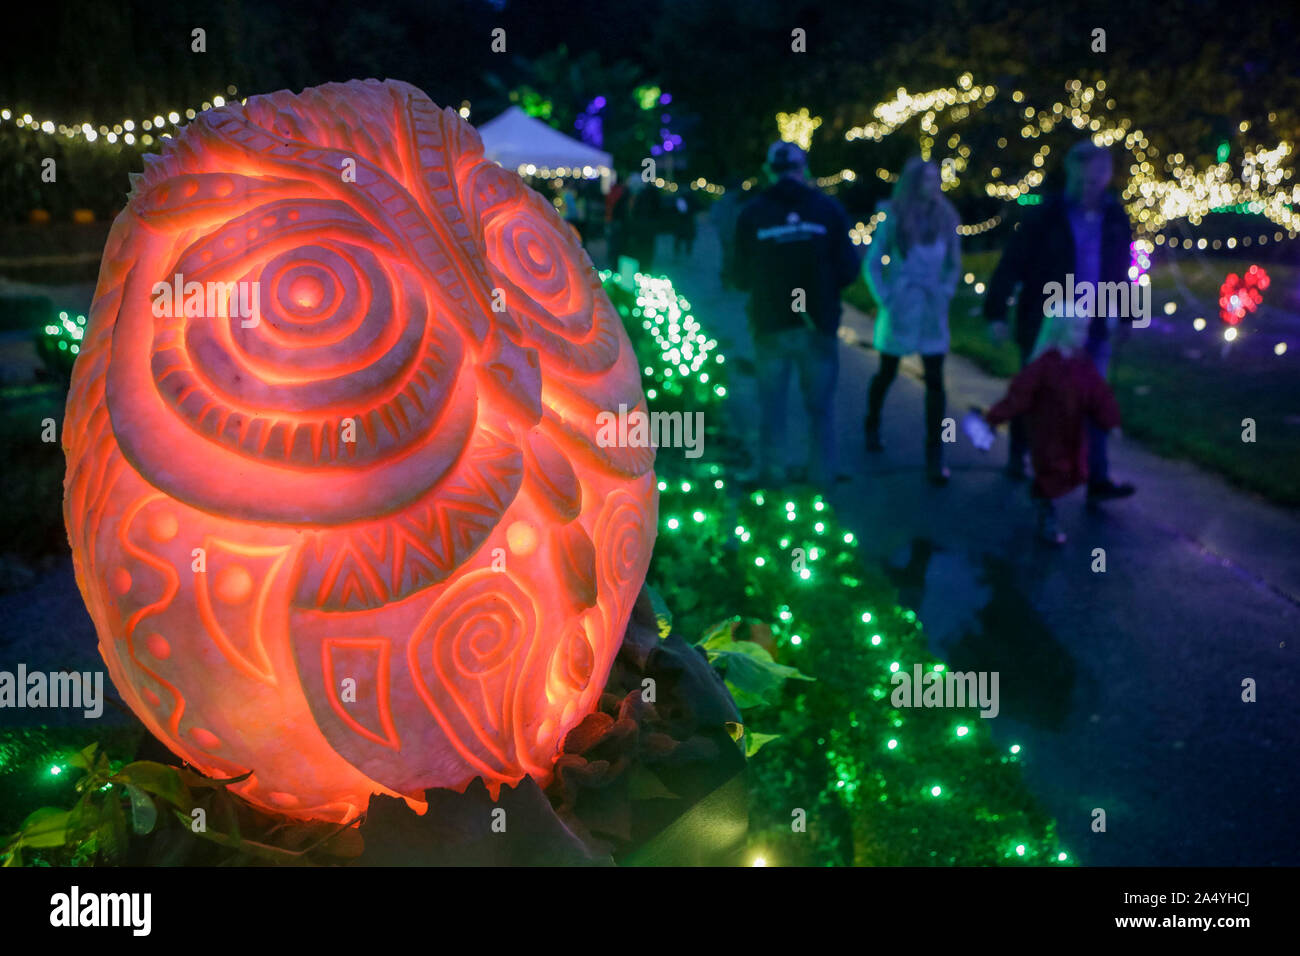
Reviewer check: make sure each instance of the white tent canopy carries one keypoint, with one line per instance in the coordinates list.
(514, 139)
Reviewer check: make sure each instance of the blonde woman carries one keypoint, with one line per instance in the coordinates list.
(912, 269)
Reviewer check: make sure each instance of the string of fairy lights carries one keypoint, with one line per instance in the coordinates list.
(1160, 189)
(125, 132)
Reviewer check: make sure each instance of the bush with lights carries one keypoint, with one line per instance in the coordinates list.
(771, 586)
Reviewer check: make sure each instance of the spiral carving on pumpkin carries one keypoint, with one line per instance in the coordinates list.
(335, 356)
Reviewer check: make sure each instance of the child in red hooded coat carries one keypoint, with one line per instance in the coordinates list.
(1058, 391)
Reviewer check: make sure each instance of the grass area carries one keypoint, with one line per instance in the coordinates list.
(1182, 393)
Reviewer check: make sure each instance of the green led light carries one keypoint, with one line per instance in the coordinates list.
(796, 639)
(718, 483)
(805, 574)
(663, 486)
(673, 523)
(848, 537)
(875, 639)
(893, 743)
(698, 516)
(760, 561)
(893, 668)
(1061, 857)
(1015, 748)
(56, 770)
(1020, 849)
(962, 731)
(936, 791)
(866, 617)
(819, 527)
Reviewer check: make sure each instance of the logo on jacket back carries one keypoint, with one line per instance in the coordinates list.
(794, 230)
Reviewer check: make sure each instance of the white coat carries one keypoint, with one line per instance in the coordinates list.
(913, 291)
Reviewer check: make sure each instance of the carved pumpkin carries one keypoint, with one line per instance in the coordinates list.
(366, 539)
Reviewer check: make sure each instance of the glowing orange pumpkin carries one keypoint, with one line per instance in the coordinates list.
(361, 538)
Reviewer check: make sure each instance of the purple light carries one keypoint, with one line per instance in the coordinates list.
(655, 150)
(668, 147)
(598, 102)
(666, 99)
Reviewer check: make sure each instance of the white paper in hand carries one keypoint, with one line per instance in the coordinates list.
(977, 430)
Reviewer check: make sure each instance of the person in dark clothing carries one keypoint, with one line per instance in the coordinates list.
(793, 255)
(1085, 234)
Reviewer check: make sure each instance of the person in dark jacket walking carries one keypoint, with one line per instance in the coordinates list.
(1080, 237)
(794, 255)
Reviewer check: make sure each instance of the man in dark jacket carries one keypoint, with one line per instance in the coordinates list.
(793, 254)
(1083, 234)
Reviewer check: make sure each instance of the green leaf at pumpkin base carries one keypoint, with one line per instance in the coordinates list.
(85, 759)
(45, 828)
(752, 676)
(719, 634)
(144, 814)
(156, 778)
(754, 741)
(663, 616)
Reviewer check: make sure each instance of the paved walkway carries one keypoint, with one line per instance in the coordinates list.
(1123, 688)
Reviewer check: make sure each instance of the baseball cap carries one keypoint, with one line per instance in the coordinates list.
(785, 157)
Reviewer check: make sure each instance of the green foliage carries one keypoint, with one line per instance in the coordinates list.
(807, 641)
(170, 809)
(752, 676)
